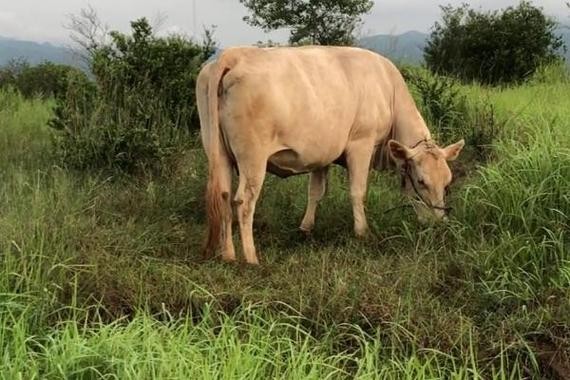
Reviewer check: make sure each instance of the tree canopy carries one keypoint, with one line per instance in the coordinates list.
(492, 47)
(322, 22)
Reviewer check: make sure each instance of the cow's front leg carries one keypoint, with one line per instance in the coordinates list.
(317, 189)
(358, 158)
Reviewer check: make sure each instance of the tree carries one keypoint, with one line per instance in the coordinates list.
(45, 79)
(323, 22)
(87, 31)
(9, 73)
(492, 47)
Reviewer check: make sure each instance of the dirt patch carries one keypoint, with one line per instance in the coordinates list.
(554, 360)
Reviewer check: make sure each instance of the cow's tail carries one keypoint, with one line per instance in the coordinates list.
(217, 208)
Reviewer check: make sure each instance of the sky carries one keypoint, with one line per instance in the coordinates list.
(44, 21)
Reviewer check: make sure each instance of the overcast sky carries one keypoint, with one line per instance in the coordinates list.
(42, 20)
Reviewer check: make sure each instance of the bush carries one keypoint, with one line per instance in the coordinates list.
(157, 69)
(442, 105)
(46, 79)
(10, 72)
(492, 47)
(448, 113)
(140, 106)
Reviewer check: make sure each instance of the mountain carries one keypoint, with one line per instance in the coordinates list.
(407, 47)
(34, 52)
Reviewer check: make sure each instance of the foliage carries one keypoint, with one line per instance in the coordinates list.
(323, 22)
(10, 72)
(157, 69)
(551, 74)
(492, 47)
(142, 105)
(103, 278)
(448, 113)
(46, 79)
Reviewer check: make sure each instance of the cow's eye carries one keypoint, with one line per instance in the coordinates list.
(421, 182)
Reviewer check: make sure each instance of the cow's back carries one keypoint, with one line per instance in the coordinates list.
(310, 100)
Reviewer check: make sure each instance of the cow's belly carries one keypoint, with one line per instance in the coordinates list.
(288, 162)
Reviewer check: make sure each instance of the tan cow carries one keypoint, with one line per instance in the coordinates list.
(298, 110)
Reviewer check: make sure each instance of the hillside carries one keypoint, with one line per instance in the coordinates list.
(34, 52)
(406, 47)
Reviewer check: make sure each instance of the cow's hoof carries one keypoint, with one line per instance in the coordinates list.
(362, 235)
(229, 258)
(252, 261)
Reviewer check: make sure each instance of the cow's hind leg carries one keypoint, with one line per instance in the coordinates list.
(358, 157)
(252, 174)
(218, 204)
(317, 188)
(228, 250)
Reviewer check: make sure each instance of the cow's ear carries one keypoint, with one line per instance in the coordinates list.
(451, 152)
(398, 151)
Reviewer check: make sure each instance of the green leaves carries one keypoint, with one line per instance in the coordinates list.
(492, 47)
(323, 22)
(46, 79)
(140, 105)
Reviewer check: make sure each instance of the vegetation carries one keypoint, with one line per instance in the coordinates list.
(101, 275)
(449, 113)
(322, 22)
(492, 47)
(141, 103)
(46, 79)
(100, 271)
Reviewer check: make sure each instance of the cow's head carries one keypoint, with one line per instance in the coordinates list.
(425, 175)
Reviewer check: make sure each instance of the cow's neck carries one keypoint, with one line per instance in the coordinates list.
(409, 127)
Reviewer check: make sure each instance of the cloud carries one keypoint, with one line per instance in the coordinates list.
(174, 30)
(7, 16)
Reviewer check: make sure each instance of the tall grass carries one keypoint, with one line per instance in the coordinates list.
(248, 345)
(100, 276)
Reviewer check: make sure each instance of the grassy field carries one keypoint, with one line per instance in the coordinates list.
(101, 277)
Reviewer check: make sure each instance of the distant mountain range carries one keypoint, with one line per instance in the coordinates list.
(406, 48)
(34, 52)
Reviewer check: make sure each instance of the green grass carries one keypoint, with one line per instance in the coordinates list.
(101, 275)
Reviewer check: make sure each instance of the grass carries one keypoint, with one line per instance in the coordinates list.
(101, 275)
(242, 346)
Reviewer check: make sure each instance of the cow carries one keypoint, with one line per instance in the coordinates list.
(295, 110)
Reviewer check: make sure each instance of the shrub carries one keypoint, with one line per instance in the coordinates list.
(157, 69)
(10, 71)
(141, 104)
(448, 113)
(492, 47)
(46, 79)
(442, 105)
